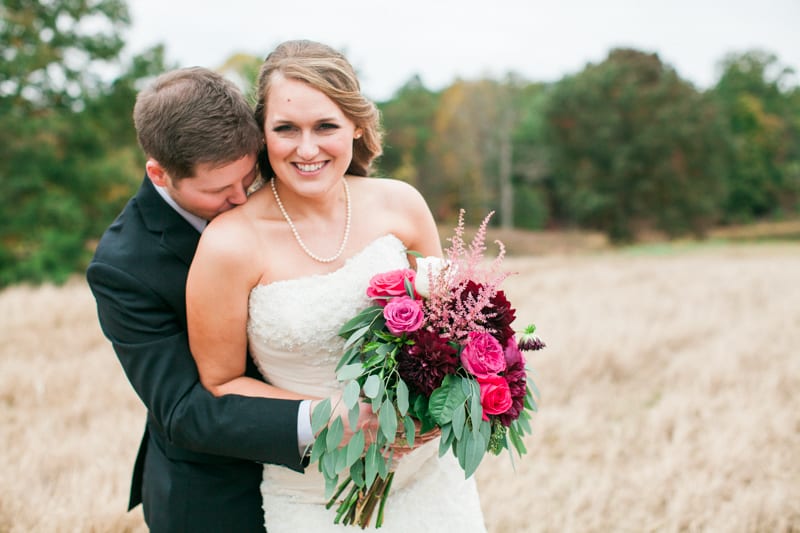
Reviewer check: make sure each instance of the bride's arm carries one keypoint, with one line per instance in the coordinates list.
(224, 270)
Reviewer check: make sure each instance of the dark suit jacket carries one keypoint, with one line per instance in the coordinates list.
(198, 465)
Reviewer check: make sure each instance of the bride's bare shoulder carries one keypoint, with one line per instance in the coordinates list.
(390, 193)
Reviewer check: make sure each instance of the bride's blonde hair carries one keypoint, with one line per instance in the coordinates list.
(328, 71)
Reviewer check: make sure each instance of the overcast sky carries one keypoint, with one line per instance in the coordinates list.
(441, 40)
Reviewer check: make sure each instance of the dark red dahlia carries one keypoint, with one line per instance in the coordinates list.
(424, 364)
(517, 381)
(517, 384)
(499, 312)
(503, 316)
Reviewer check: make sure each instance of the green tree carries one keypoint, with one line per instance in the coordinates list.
(756, 93)
(635, 147)
(64, 140)
(530, 167)
(408, 128)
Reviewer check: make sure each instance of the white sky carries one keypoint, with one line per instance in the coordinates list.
(441, 40)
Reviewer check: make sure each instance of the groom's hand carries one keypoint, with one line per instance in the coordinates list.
(367, 420)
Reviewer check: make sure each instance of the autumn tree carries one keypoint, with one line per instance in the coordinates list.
(634, 147)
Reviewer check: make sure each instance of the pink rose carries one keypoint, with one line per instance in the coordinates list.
(483, 356)
(390, 284)
(403, 315)
(495, 395)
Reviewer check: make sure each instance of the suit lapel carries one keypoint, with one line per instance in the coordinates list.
(177, 235)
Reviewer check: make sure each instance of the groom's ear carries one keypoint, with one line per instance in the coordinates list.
(156, 172)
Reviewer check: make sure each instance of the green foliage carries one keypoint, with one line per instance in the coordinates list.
(633, 147)
(530, 207)
(764, 121)
(69, 154)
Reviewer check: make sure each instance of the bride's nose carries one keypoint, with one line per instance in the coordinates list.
(307, 148)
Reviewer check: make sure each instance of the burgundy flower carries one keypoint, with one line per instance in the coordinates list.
(499, 313)
(424, 364)
(517, 382)
(503, 316)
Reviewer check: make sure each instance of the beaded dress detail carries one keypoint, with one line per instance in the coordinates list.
(292, 332)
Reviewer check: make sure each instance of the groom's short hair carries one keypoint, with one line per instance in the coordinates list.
(193, 116)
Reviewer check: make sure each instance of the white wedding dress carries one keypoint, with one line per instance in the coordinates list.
(292, 331)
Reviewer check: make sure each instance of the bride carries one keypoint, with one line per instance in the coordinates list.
(280, 274)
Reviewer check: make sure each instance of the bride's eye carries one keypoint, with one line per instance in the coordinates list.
(328, 126)
(283, 128)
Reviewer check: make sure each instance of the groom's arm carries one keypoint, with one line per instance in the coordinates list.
(152, 345)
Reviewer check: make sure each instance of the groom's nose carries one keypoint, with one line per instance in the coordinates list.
(239, 195)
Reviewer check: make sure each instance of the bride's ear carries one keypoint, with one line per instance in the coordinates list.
(156, 172)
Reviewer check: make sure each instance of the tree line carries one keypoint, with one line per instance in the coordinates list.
(624, 146)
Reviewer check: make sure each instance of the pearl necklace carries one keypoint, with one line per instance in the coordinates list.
(311, 254)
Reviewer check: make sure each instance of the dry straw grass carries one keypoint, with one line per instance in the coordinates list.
(669, 401)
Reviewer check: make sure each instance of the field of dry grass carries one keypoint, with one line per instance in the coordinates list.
(669, 399)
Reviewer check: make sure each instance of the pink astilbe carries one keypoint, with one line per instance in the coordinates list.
(461, 297)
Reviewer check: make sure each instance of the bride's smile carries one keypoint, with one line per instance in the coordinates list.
(309, 139)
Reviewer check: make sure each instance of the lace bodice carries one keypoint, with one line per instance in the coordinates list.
(293, 324)
(292, 333)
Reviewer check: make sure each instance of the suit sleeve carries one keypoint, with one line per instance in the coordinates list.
(152, 345)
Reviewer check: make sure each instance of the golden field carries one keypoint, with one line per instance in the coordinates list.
(670, 399)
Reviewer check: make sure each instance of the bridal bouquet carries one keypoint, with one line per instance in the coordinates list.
(437, 350)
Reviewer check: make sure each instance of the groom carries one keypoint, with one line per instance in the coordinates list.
(198, 467)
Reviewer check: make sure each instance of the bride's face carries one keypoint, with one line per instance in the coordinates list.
(309, 139)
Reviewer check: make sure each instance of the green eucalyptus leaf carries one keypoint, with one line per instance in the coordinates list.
(341, 459)
(371, 461)
(330, 486)
(475, 408)
(410, 429)
(473, 453)
(335, 434)
(352, 416)
(459, 420)
(446, 440)
(402, 397)
(355, 448)
(357, 473)
(387, 420)
(460, 448)
(363, 318)
(372, 387)
(351, 394)
(356, 336)
(349, 372)
(321, 415)
(532, 386)
(384, 349)
(517, 442)
(319, 448)
(329, 465)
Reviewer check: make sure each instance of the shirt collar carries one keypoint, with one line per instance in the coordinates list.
(197, 223)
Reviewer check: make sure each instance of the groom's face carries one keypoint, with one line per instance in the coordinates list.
(212, 190)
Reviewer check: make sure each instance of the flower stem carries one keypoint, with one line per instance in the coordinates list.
(379, 520)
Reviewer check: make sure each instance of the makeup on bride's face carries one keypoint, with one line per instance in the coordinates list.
(309, 139)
